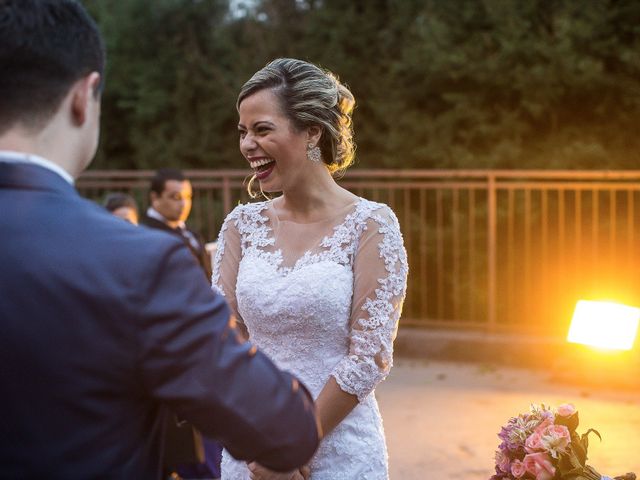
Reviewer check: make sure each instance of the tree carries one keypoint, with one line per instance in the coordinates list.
(456, 84)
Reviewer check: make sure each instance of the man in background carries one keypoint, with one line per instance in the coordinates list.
(170, 197)
(107, 328)
(170, 200)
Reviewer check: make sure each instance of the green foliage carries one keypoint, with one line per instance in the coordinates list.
(455, 84)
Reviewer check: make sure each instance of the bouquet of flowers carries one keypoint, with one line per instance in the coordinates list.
(544, 445)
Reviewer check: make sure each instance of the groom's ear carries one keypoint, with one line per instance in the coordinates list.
(83, 97)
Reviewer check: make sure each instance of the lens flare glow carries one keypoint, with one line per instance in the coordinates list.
(605, 325)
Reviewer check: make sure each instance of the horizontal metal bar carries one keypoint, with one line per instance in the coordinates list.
(415, 185)
(395, 173)
(567, 186)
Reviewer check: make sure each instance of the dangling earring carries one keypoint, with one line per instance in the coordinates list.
(313, 153)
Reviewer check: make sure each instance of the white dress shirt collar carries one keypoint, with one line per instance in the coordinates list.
(153, 213)
(19, 157)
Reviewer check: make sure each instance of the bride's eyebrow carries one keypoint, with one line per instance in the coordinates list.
(263, 123)
(259, 123)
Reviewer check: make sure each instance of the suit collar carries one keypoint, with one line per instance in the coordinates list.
(154, 222)
(30, 158)
(156, 215)
(32, 176)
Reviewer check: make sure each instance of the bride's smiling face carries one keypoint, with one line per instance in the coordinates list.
(274, 148)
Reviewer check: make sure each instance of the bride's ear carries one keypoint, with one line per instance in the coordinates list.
(313, 134)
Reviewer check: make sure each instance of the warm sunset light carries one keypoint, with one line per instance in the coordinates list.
(604, 324)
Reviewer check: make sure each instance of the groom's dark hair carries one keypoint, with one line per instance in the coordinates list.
(45, 47)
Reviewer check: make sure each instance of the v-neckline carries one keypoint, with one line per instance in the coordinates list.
(276, 258)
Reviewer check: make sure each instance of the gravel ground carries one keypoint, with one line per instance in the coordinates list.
(441, 419)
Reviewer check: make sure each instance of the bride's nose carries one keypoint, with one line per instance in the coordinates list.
(248, 143)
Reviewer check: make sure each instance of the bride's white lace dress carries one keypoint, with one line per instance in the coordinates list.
(321, 299)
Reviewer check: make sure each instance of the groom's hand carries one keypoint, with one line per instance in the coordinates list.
(258, 472)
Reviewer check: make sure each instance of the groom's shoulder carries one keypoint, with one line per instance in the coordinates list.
(116, 238)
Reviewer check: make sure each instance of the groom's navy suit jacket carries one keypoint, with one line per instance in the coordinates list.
(200, 253)
(104, 329)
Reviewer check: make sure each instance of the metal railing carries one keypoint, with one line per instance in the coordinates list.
(490, 250)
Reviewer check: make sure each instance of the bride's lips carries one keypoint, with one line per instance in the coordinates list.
(262, 166)
(263, 173)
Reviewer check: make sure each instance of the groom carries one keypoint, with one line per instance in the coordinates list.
(100, 341)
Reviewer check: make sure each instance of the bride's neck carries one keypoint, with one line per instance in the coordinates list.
(310, 204)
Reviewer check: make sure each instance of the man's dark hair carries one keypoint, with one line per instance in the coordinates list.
(116, 200)
(45, 46)
(159, 180)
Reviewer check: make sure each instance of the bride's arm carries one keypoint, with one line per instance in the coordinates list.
(333, 404)
(380, 275)
(225, 266)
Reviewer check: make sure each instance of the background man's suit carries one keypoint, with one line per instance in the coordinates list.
(103, 326)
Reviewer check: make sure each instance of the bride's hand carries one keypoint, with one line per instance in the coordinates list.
(258, 472)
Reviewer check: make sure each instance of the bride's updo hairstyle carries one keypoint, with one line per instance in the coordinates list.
(310, 96)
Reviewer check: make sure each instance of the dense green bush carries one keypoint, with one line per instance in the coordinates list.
(439, 84)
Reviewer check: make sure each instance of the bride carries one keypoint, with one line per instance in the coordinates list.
(316, 276)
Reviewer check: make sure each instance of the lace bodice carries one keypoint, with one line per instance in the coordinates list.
(321, 299)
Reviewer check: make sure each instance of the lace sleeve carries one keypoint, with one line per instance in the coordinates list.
(380, 279)
(226, 262)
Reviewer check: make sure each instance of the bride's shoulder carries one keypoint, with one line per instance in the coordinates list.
(369, 211)
(247, 209)
(380, 222)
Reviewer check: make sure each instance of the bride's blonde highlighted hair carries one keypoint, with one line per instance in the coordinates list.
(310, 96)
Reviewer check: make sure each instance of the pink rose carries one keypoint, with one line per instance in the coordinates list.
(566, 410)
(518, 469)
(502, 461)
(539, 465)
(544, 424)
(555, 439)
(534, 443)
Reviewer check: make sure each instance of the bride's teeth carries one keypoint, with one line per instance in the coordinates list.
(259, 163)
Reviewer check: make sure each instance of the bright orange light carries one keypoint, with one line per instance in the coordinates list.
(604, 325)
